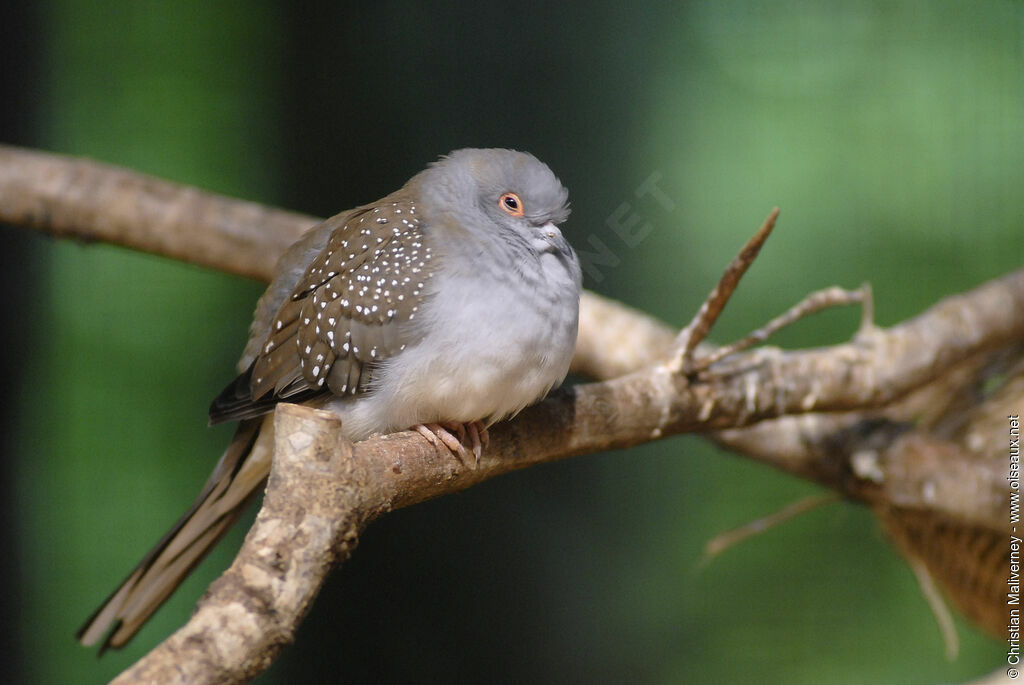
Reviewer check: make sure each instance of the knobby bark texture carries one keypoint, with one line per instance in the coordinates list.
(911, 420)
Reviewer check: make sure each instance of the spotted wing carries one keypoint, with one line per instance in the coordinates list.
(346, 314)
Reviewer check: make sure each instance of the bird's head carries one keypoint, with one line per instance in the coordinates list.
(503, 194)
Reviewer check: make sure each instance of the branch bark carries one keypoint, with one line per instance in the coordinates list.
(838, 415)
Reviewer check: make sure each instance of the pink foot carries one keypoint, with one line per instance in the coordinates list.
(441, 435)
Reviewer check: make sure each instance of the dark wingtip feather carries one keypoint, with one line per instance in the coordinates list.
(234, 401)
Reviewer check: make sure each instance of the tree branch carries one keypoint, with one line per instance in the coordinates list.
(70, 197)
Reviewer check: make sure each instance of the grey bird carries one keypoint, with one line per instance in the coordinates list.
(444, 307)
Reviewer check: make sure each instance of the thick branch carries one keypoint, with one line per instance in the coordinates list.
(79, 198)
(323, 491)
(397, 470)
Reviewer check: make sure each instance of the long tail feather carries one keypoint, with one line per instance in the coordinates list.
(237, 477)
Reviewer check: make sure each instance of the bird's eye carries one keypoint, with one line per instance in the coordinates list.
(511, 203)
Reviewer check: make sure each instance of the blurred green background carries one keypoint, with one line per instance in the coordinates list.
(891, 134)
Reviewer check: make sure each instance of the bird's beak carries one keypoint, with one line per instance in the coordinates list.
(548, 238)
(549, 230)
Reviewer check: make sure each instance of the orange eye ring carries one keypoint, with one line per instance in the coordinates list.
(511, 204)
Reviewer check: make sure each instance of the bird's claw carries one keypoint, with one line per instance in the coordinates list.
(444, 435)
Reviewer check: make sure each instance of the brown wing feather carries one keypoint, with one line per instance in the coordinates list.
(343, 317)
